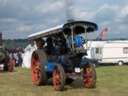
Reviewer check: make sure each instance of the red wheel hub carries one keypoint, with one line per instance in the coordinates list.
(56, 79)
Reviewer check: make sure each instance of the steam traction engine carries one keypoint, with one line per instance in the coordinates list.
(6, 63)
(62, 59)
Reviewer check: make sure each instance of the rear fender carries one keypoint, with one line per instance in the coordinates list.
(86, 61)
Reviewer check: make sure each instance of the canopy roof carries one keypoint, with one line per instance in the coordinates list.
(77, 25)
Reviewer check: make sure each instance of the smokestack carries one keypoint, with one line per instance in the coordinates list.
(69, 10)
(0, 38)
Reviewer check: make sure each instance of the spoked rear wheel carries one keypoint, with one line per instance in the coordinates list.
(89, 76)
(58, 78)
(11, 64)
(37, 68)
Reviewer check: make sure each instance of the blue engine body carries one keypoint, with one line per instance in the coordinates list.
(50, 66)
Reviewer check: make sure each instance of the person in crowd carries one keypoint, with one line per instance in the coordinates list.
(20, 59)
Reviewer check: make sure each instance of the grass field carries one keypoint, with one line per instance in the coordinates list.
(111, 81)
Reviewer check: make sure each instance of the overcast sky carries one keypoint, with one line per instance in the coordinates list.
(19, 18)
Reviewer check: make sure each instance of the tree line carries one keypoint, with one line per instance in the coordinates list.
(15, 43)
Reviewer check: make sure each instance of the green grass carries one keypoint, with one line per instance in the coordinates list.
(111, 81)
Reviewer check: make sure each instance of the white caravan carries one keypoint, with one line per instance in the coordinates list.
(108, 51)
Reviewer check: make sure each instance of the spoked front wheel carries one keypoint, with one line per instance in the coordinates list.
(89, 76)
(58, 78)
